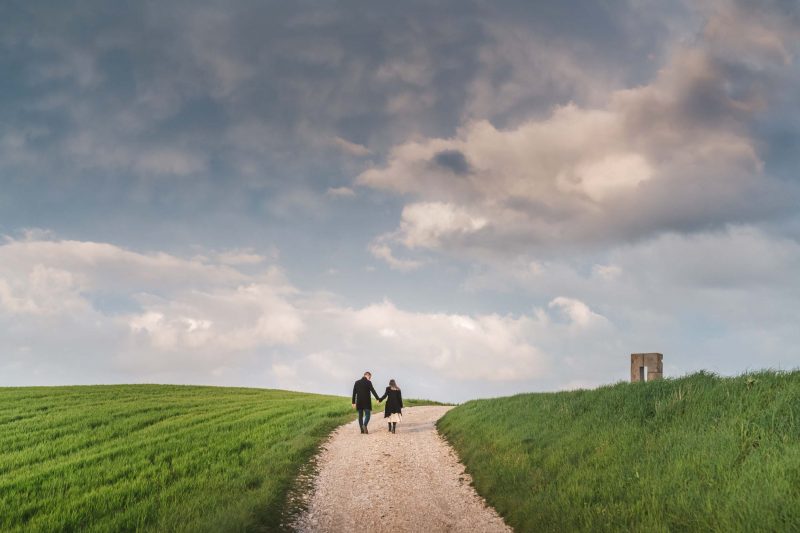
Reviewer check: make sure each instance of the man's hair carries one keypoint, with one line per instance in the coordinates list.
(368, 373)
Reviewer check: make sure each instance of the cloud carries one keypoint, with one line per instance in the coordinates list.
(750, 34)
(247, 94)
(341, 192)
(351, 148)
(43, 291)
(606, 272)
(99, 266)
(426, 224)
(676, 154)
(456, 346)
(523, 72)
(445, 347)
(244, 256)
(453, 160)
(166, 91)
(577, 312)
(740, 258)
(736, 259)
(383, 251)
(224, 321)
(153, 303)
(157, 314)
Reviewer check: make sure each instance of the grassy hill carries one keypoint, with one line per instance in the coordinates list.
(154, 457)
(699, 453)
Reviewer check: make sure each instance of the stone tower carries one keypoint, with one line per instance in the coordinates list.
(646, 366)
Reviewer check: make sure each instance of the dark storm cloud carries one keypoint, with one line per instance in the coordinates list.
(165, 110)
(453, 160)
(257, 79)
(248, 77)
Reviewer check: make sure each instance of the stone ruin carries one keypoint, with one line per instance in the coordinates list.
(646, 366)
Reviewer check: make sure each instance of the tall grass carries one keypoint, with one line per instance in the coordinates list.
(154, 457)
(699, 453)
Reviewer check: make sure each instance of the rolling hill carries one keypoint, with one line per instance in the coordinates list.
(154, 457)
(698, 453)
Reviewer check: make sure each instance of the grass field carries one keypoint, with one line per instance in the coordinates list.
(155, 457)
(699, 453)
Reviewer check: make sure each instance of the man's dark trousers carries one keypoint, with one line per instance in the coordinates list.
(363, 417)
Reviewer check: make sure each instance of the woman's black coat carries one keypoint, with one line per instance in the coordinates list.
(394, 402)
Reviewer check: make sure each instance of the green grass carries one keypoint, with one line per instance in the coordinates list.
(154, 457)
(699, 453)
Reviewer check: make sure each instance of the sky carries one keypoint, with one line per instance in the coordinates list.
(474, 198)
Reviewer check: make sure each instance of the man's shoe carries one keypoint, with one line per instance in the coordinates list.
(366, 430)
(362, 429)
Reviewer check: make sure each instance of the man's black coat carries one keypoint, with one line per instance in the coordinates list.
(361, 390)
(394, 401)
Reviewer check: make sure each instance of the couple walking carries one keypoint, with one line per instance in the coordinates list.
(361, 401)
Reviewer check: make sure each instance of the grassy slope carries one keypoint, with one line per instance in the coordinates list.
(697, 453)
(154, 457)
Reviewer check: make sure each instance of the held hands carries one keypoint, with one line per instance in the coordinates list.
(354, 406)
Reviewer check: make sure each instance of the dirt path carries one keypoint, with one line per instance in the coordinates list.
(409, 481)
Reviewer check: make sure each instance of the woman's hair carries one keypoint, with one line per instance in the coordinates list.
(393, 384)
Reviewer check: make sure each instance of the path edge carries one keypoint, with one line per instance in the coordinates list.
(302, 488)
(467, 472)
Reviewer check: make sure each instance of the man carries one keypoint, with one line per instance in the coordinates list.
(361, 400)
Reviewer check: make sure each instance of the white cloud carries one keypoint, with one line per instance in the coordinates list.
(43, 291)
(183, 307)
(461, 347)
(426, 224)
(577, 312)
(99, 266)
(383, 251)
(606, 272)
(214, 318)
(224, 321)
(179, 314)
(341, 192)
(606, 177)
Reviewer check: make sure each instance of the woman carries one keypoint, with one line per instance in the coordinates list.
(394, 405)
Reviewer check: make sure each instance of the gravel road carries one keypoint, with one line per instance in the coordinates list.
(409, 481)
